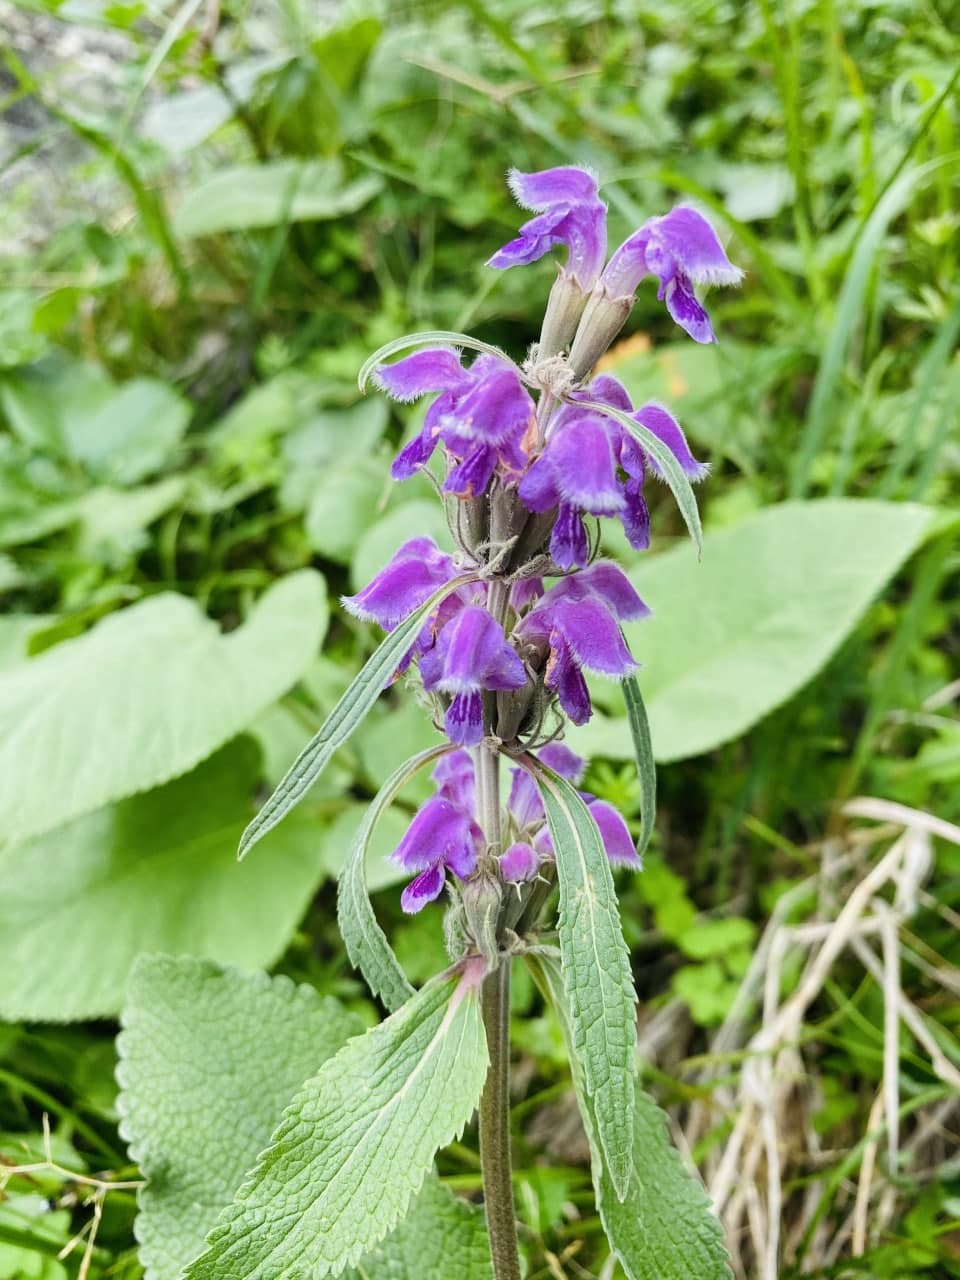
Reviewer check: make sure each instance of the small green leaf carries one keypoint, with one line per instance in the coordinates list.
(143, 697)
(680, 486)
(355, 1144)
(646, 768)
(345, 717)
(596, 969)
(663, 1228)
(366, 944)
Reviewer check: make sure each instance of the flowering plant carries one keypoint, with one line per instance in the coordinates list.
(501, 634)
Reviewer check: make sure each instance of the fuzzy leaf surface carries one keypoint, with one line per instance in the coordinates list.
(209, 1058)
(154, 872)
(366, 943)
(596, 970)
(143, 697)
(663, 1228)
(355, 1145)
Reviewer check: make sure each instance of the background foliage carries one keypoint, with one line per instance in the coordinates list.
(211, 214)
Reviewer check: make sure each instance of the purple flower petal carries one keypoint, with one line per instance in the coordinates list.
(608, 390)
(414, 455)
(538, 488)
(562, 760)
(471, 653)
(497, 408)
(571, 213)
(402, 585)
(519, 862)
(438, 833)
(583, 465)
(635, 517)
(593, 636)
(666, 428)
(568, 541)
(684, 240)
(455, 780)
(433, 369)
(607, 581)
(427, 887)
(686, 310)
(564, 675)
(469, 478)
(524, 801)
(616, 838)
(464, 720)
(524, 592)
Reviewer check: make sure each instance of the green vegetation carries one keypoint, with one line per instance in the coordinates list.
(211, 214)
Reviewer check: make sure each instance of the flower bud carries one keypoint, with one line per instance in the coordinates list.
(564, 309)
(603, 318)
(482, 897)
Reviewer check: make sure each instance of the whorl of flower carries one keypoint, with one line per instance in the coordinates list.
(523, 605)
(444, 836)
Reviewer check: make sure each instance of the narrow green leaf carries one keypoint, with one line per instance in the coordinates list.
(409, 340)
(596, 968)
(663, 1228)
(355, 1144)
(366, 944)
(342, 721)
(643, 749)
(680, 486)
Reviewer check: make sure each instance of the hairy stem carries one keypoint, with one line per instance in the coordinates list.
(495, 1127)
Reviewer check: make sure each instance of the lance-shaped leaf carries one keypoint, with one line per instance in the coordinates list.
(209, 1058)
(596, 968)
(343, 720)
(355, 1144)
(680, 486)
(663, 1228)
(366, 943)
(643, 750)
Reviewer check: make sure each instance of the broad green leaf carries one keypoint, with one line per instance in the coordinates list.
(143, 697)
(355, 1144)
(121, 434)
(340, 834)
(366, 944)
(680, 486)
(643, 750)
(346, 716)
(241, 197)
(209, 1058)
(155, 872)
(736, 635)
(596, 969)
(343, 505)
(663, 1229)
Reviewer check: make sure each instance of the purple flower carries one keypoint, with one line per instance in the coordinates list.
(570, 213)
(481, 415)
(614, 833)
(520, 862)
(579, 470)
(403, 585)
(579, 620)
(440, 836)
(681, 249)
(524, 804)
(471, 654)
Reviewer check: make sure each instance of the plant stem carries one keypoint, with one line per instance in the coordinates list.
(495, 1127)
